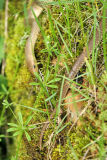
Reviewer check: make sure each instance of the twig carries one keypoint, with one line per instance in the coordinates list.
(86, 154)
(6, 19)
(3, 66)
(5, 34)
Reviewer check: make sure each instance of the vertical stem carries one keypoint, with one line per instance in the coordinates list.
(104, 34)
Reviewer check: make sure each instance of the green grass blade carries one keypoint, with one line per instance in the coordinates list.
(104, 31)
(70, 53)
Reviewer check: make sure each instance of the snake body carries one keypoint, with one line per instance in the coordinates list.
(30, 43)
(81, 59)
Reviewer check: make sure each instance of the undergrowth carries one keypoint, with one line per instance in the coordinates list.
(27, 102)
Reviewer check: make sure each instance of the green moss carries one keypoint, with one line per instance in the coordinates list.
(15, 56)
(73, 145)
(21, 93)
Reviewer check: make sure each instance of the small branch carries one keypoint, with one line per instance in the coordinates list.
(6, 19)
(5, 35)
(86, 154)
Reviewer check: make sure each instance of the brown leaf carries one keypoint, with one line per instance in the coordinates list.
(73, 106)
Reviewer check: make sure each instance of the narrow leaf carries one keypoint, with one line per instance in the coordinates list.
(29, 119)
(12, 124)
(12, 129)
(20, 117)
(17, 133)
(27, 136)
(50, 97)
(34, 84)
(54, 80)
(52, 86)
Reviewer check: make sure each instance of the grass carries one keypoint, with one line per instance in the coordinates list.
(65, 29)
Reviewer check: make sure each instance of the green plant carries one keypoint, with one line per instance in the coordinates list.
(65, 31)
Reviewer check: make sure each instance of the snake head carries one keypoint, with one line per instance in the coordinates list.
(37, 10)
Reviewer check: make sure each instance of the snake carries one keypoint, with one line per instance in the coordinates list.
(30, 43)
(32, 62)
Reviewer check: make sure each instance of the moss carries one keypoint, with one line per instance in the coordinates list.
(73, 145)
(21, 93)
